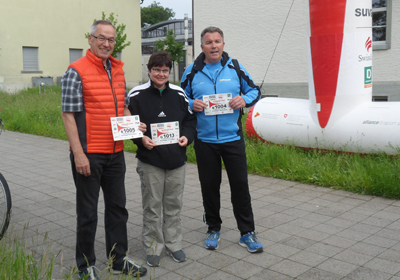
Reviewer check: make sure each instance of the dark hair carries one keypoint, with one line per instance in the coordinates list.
(159, 59)
(211, 29)
(97, 22)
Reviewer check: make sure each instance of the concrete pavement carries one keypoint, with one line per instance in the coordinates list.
(308, 232)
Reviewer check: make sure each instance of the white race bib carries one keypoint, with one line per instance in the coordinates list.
(217, 104)
(126, 127)
(165, 133)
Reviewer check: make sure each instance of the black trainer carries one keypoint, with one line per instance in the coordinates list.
(153, 261)
(178, 256)
(128, 266)
(88, 273)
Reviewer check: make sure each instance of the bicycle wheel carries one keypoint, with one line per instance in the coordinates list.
(5, 206)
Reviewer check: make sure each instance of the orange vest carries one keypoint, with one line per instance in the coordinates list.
(102, 99)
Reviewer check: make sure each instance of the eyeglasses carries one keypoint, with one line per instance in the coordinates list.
(158, 71)
(103, 39)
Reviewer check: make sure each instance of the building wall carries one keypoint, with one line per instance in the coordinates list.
(252, 30)
(55, 26)
(385, 65)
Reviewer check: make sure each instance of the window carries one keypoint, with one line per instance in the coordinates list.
(119, 56)
(74, 55)
(379, 98)
(148, 49)
(381, 24)
(30, 59)
(179, 28)
(190, 26)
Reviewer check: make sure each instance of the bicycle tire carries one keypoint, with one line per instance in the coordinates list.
(5, 206)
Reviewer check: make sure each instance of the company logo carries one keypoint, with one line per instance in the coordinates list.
(285, 116)
(362, 58)
(370, 122)
(368, 44)
(120, 84)
(257, 115)
(162, 115)
(368, 77)
(381, 122)
(361, 12)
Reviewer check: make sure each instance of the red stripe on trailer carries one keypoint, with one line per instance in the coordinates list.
(251, 132)
(327, 24)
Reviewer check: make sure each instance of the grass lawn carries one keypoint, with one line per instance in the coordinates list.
(374, 174)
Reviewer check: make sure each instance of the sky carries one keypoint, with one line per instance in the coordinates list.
(180, 7)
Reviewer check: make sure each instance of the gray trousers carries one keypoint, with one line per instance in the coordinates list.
(162, 194)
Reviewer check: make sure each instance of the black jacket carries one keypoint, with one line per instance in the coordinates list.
(155, 107)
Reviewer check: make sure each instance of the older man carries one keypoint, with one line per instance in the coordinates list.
(217, 92)
(93, 91)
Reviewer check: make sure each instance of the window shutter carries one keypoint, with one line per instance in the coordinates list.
(74, 55)
(30, 58)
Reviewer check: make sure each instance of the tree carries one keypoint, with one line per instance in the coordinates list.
(120, 43)
(155, 13)
(172, 47)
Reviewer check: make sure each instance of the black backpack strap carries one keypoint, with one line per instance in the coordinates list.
(188, 80)
(237, 68)
(238, 72)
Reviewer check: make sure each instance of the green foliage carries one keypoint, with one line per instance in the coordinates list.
(120, 43)
(374, 174)
(171, 46)
(34, 113)
(24, 257)
(16, 262)
(129, 146)
(155, 13)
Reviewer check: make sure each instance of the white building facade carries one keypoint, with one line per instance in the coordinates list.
(270, 39)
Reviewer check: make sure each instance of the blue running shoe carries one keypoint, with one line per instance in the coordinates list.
(250, 241)
(212, 240)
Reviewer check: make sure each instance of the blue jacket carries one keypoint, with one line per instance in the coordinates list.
(219, 128)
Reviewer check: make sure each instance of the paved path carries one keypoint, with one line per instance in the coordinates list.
(308, 232)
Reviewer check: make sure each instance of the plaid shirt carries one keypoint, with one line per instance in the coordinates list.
(71, 90)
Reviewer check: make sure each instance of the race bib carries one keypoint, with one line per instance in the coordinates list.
(165, 133)
(217, 104)
(126, 127)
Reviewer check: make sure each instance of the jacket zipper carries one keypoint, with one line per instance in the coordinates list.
(161, 101)
(216, 116)
(115, 100)
(215, 92)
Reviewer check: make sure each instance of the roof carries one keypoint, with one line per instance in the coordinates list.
(159, 24)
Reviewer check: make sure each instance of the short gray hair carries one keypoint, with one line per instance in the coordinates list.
(211, 29)
(97, 22)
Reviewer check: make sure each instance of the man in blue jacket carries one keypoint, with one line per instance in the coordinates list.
(214, 94)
